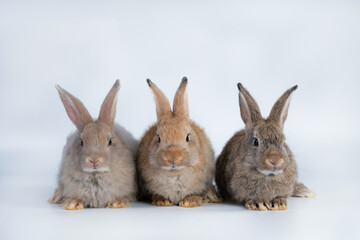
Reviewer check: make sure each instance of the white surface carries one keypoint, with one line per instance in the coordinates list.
(269, 46)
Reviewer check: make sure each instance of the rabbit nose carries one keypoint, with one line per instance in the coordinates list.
(275, 162)
(94, 162)
(171, 160)
(172, 156)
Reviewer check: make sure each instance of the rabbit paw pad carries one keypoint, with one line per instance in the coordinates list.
(277, 204)
(161, 202)
(256, 205)
(191, 201)
(121, 203)
(73, 204)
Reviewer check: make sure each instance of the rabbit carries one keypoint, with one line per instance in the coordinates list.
(175, 159)
(256, 166)
(98, 165)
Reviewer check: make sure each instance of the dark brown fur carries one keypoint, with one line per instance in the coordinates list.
(263, 174)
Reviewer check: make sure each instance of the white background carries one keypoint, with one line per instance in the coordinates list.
(268, 46)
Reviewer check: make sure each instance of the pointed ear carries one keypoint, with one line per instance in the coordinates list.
(75, 109)
(180, 105)
(280, 109)
(162, 103)
(108, 108)
(249, 110)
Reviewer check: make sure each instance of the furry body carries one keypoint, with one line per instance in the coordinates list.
(98, 189)
(175, 185)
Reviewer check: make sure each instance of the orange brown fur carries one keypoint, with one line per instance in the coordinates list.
(175, 158)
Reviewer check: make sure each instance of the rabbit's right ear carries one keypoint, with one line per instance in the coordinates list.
(250, 112)
(75, 109)
(280, 109)
(162, 103)
(108, 108)
(180, 105)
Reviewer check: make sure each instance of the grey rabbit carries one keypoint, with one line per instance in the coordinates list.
(97, 168)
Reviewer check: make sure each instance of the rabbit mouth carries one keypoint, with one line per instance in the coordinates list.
(98, 169)
(270, 172)
(172, 167)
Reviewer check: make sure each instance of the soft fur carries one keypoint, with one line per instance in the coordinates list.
(175, 160)
(110, 182)
(261, 176)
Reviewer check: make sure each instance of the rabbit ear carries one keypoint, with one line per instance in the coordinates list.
(180, 105)
(108, 107)
(250, 112)
(75, 109)
(162, 103)
(280, 109)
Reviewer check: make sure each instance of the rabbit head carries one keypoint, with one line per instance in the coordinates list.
(264, 146)
(175, 144)
(96, 137)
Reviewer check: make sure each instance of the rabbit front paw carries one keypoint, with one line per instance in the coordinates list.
(256, 205)
(160, 201)
(73, 204)
(121, 203)
(277, 204)
(191, 201)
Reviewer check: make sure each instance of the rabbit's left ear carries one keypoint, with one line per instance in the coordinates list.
(249, 109)
(280, 109)
(162, 103)
(180, 105)
(75, 109)
(108, 108)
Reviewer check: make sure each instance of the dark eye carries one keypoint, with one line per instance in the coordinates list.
(159, 139)
(256, 142)
(110, 142)
(188, 137)
(81, 142)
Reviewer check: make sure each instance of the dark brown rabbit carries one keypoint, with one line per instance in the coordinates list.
(256, 167)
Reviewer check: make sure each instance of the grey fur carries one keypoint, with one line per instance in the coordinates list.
(110, 182)
(98, 189)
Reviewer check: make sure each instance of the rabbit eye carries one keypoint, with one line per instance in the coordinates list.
(188, 137)
(159, 139)
(256, 142)
(110, 142)
(81, 142)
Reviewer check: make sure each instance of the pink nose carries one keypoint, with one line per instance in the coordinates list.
(94, 163)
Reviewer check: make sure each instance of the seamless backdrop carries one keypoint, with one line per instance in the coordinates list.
(268, 46)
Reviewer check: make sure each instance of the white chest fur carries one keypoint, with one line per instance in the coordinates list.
(175, 185)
